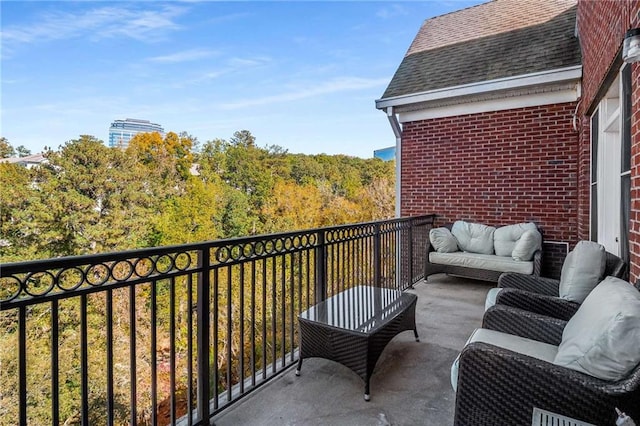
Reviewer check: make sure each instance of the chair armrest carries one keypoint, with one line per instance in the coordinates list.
(537, 263)
(524, 324)
(615, 266)
(531, 283)
(539, 303)
(501, 387)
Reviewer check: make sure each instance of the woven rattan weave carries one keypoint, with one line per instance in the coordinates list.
(354, 326)
(501, 387)
(541, 295)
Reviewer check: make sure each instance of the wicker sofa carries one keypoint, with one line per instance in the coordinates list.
(487, 252)
(503, 373)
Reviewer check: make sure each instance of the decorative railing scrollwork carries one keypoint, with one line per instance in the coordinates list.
(207, 322)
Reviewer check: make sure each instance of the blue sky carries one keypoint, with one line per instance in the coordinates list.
(302, 75)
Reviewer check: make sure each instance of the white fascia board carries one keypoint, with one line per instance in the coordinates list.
(520, 81)
(477, 107)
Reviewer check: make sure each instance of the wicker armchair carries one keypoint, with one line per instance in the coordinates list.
(541, 295)
(524, 323)
(501, 387)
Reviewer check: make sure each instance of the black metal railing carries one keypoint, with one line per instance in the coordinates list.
(175, 334)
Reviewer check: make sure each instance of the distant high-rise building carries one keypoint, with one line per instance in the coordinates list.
(385, 154)
(121, 131)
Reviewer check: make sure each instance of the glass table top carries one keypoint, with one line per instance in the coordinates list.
(360, 308)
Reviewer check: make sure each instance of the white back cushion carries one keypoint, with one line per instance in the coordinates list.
(601, 339)
(505, 237)
(582, 270)
(473, 237)
(527, 245)
(443, 240)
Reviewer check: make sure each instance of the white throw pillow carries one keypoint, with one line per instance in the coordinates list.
(473, 237)
(527, 245)
(582, 270)
(601, 339)
(505, 237)
(443, 240)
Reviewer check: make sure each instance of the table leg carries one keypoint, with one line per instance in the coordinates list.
(415, 332)
(367, 395)
(299, 366)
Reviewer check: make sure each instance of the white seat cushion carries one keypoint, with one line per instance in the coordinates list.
(489, 262)
(492, 295)
(524, 346)
(601, 339)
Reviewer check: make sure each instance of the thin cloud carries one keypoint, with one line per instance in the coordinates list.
(201, 78)
(97, 23)
(184, 56)
(342, 84)
(392, 11)
(228, 18)
(231, 65)
(248, 62)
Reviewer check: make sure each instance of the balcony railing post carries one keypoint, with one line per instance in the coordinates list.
(321, 269)
(22, 365)
(377, 256)
(203, 336)
(410, 250)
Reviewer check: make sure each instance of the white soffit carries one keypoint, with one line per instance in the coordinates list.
(476, 107)
(539, 79)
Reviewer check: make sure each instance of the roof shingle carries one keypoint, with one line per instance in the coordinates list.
(499, 39)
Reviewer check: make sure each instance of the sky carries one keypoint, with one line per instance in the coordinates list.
(299, 74)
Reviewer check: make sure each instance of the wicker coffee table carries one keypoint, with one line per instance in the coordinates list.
(354, 326)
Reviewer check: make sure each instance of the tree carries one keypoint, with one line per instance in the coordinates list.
(22, 151)
(378, 199)
(245, 168)
(6, 150)
(17, 238)
(238, 218)
(91, 199)
(292, 207)
(194, 216)
(212, 159)
(243, 138)
(170, 158)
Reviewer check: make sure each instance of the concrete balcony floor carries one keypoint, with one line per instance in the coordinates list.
(411, 382)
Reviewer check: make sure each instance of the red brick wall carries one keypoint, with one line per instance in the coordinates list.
(584, 179)
(601, 26)
(634, 227)
(497, 168)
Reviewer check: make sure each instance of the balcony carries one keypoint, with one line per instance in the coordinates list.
(411, 383)
(190, 334)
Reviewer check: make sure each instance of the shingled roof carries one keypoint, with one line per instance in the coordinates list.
(499, 39)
